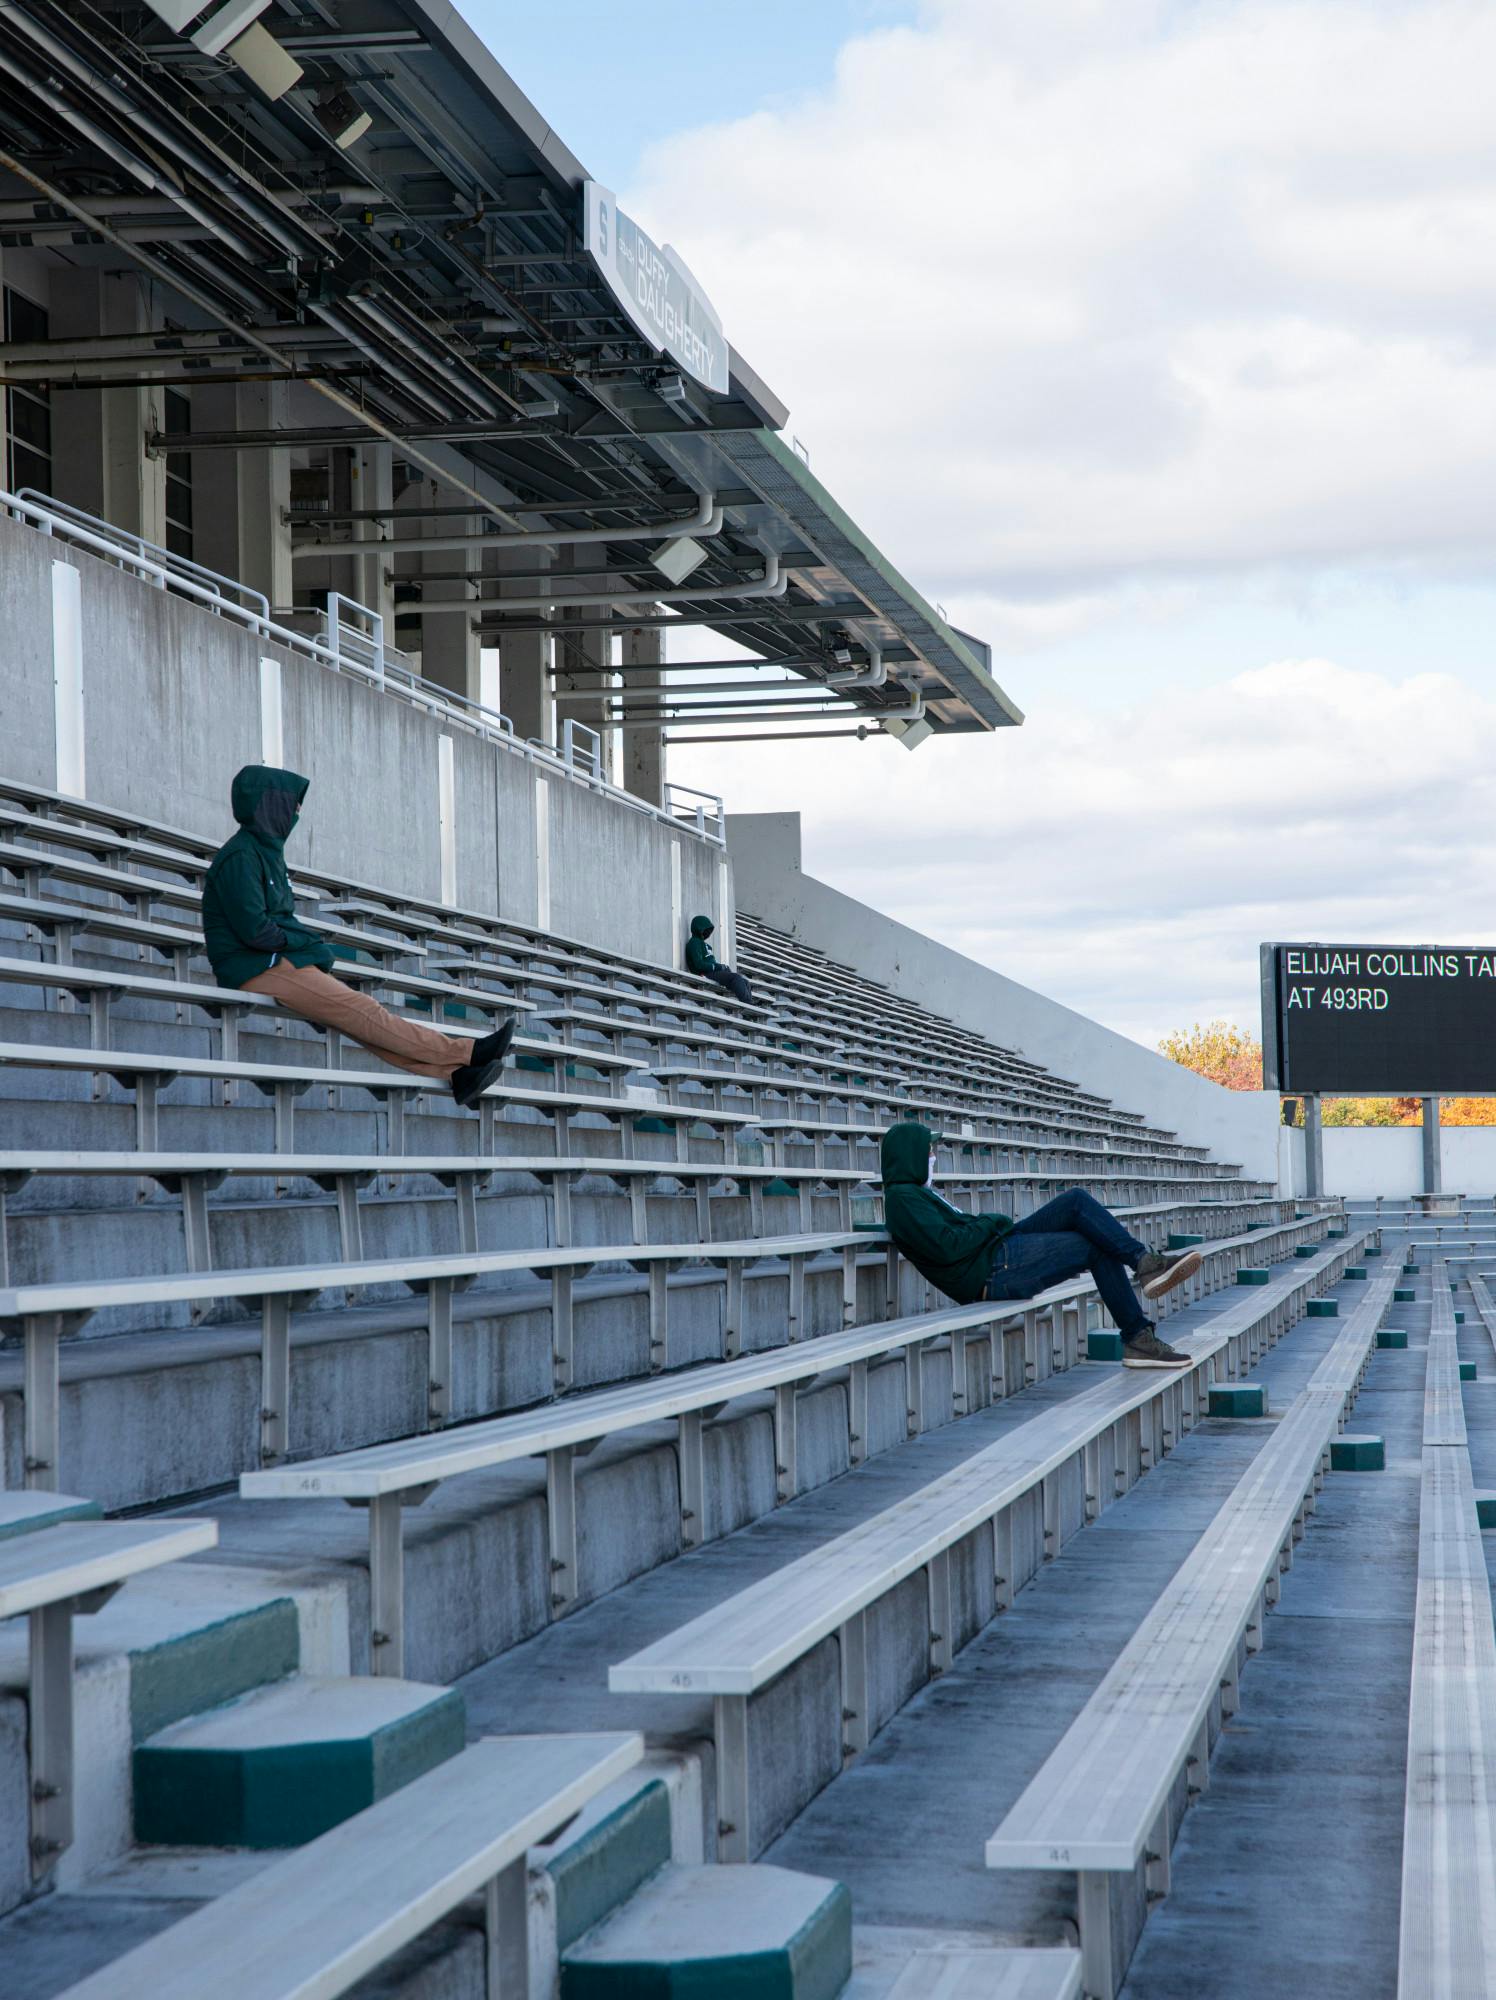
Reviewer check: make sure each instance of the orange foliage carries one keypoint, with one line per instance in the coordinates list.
(1219, 1051)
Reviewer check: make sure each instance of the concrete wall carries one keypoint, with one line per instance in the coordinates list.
(1238, 1126)
(1364, 1161)
(171, 698)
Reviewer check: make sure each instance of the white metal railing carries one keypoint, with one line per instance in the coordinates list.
(582, 748)
(354, 632)
(351, 642)
(701, 811)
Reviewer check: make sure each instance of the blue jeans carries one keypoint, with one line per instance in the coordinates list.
(1071, 1234)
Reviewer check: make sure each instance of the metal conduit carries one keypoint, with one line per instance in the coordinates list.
(770, 584)
(176, 144)
(705, 522)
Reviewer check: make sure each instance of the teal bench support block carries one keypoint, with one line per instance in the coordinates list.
(1180, 1239)
(1253, 1275)
(1485, 1509)
(1104, 1345)
(1307, 1250)
(606, 1863)
(1459, 1319)
(1372, 1250)
(1358, 1454)
(746, 1933)
(1404, 1295)
(1392, 1336)
(1355, 1271)
(1238, 1399)
(1467, 1371)
(1324, 1309)
(287, 1762)
(1411, 1270)
(1337, 1232)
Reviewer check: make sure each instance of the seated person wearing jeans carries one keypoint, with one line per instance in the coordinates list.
(972, 1257)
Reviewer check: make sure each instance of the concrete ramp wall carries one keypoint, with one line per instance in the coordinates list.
(1237, 1126)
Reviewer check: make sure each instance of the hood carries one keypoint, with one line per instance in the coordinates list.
(266, 800)
(906, 1154)
(702, 927)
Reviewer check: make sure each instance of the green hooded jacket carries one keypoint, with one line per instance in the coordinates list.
(249, 914)
(947, 1246)
(699, 955)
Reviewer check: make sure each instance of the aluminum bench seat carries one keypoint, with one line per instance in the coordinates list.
(44, 1313)
(1030, 1973)
(345, 1175)
(389, 1477)
(1447, 1938)
(147, 1074)
(314, 1923)
(1101, 1799)
(65, 920)
(100, 986)
(197, 1175)
(52, 1575)
(740, 1646)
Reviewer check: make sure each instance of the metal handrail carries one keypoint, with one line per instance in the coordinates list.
(341, 647)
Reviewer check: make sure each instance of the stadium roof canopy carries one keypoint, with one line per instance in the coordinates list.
(441, 280)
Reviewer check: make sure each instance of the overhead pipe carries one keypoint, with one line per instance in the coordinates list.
(872, 676)
(465, 383)
(770, 584)
(234, 188)
(425, 394)
(368, 422)
(705, 523)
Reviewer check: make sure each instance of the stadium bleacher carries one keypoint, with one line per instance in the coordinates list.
(652, 1243)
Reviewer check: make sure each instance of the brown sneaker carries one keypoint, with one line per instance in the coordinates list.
(1161, 1270)
(1146, 1350)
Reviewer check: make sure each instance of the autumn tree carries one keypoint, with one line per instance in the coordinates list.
(1218, 1050)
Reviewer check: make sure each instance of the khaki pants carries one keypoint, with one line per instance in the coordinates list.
(316, 996)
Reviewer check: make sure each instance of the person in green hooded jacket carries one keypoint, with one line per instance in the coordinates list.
(971, 1257)
(256, 941)
(702, 960)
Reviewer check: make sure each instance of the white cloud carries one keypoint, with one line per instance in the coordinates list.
(1105, 313)
(1129, 864)
(1065, 293)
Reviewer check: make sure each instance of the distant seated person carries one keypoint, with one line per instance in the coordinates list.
(256, 941)
(972, 1257)
(700, 958)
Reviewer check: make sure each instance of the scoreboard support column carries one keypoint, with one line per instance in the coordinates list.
(1314, 1147)
(1433, 1163)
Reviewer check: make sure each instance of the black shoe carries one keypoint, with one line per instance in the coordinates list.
(470, 1082)
(1161, 1270)
(493, 1048)
(1146, 1350)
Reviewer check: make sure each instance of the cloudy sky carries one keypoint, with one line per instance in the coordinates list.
(1157, 342)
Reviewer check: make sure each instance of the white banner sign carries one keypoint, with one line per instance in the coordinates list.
(656, 290)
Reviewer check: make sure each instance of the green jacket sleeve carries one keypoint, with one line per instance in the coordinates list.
(241, 892)
(699, 955)
(943, 1237)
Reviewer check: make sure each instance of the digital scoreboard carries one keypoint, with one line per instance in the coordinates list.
(1372, 1020)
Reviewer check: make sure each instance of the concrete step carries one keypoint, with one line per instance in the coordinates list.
(285, 1763)
(691, 1933)
(177, 1642)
